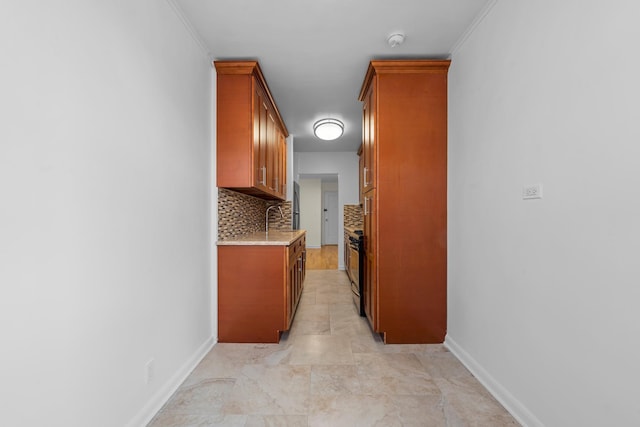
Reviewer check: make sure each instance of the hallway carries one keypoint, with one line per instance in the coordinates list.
(323, 258)
(330, 370)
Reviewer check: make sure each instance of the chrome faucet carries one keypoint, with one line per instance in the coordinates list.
(266, 221)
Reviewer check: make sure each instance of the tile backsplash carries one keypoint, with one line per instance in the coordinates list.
(353, 216)
(240, 214)
(277, 221)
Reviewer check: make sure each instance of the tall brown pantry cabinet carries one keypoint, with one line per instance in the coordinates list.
(404, 185)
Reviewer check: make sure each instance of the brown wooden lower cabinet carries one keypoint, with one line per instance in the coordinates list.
(370, 286)
(259, 287)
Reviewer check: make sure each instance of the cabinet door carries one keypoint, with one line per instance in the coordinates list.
(295, 277)
(291, 286)
(270, 151)
(261, 153)
(346, 252)
(360, 168)
(252, 300)
(365, 143)
(257, 111)
(268, 160)
(277, 150)
(369, 139)
(370, 245)
(304, 267)
(282, 165)
(300, 275)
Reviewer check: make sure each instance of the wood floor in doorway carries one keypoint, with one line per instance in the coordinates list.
(323, 258)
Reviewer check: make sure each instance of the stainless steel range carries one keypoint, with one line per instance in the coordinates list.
(355, 268)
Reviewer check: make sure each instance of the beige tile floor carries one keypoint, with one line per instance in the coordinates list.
(331, 370)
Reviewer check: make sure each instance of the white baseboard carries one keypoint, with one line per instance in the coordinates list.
(502, 395)
(166, 391)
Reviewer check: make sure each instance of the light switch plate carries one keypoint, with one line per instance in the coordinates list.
(150, 371)
(532, 192)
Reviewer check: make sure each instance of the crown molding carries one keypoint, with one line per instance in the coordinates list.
(190, 29)
(474, 24)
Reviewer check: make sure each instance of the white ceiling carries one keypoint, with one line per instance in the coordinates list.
(314, 53)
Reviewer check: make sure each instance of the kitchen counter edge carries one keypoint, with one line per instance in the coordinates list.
(352, 230)
(262, 238)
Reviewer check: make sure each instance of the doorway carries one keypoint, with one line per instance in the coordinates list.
(330, 216)
(319, 215)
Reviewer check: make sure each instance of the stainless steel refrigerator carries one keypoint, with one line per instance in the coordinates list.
(296, 206)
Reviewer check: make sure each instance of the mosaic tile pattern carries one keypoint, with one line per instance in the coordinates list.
(353, 216)
(276, 221)
(240, 214)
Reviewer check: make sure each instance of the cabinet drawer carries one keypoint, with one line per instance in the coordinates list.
(297, 246)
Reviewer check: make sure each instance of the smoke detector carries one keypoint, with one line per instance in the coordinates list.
(395, 39)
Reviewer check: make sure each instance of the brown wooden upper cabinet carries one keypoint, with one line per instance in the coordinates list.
(361, 168)
(251, 145)
(368, 170)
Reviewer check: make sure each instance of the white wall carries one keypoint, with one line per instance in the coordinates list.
(311, 211)
(543, 294)
(290, 161)
(345, 165)
(105, 210)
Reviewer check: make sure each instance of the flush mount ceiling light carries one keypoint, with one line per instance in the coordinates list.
(328, 129)
(395, 39)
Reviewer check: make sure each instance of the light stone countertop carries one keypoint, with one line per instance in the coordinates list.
(274, 238)
(352, 229)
